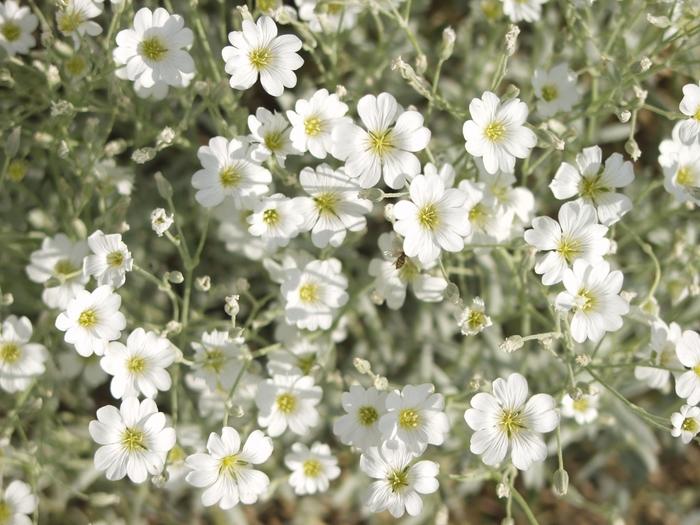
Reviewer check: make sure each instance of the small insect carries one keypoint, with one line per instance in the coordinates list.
(400, 261)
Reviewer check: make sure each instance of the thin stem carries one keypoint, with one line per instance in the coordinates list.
(524, 506)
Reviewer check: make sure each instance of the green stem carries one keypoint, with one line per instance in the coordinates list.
(524, 506)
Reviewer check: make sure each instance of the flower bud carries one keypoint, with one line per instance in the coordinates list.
(560, 482)
(362, 365)
(502, 490)
(203, 283)
(232, 306)
(174, 277)
(511, 344)
(448, 43)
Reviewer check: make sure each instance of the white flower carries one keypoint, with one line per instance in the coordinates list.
(139, 367)
(108, 172)
(688, 352)
(153, 53)
(276, 219)
(584, 409)
(227, 470)
(110, 259)
(360, 426)
(387, 145)
(313, 292)
(161, 221)
(91, 320)
(58, 264)
(473, 319)
(556, 90)
(233, 231)
(497, 132)
(507, 198)
(257, 50)
(415, 417)
(433, 220)
(662, 349)
(297, 355)
(269, 135)
(399, 481)
(218, 358)
(488, 222)
(16, 27)
(507, 419)
(314, 120)
(74, 18)
(328, 17)
(396, 271)
(682, 174)
(334, 207)
(577, 236)
(690, 106)
(288, 401)
(523, 10)
(686, 423)
(17, 503)
(134, 439)
(228, 172)
(592, 292)
(312, 470)
(20, 360)
(595, 186)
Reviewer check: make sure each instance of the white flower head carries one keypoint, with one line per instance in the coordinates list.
(17, 503)
(312, 469)
(74, 19)
(399, 481)
(584, 409)
(576, 236)
(555, 89)
(313, 292)
(662, 352)
(110, 259)
(288, 401)
(507, 198)
(135, 440)
(227, 470)
(334, 205)
(328, 17)
(276, 219)
(227, 171)
(20, 360)
(16, 27)
(690, 106)
(507, 419)
(298, 355)
(91, 320)
(688, 352)
(59, 261)
(682, 174)
(433, 220)
(314, 120)
(473, 319)
(595, 184)
(415, 417)
(218, 358)
(488, 221)
(523, 10)
(497, 133)
(257, 50)
(386, 146)
(269, 136)
(161, 221)
(686, 423)
(360, 426)
(593, 294)
(233, 232)
(139, 367)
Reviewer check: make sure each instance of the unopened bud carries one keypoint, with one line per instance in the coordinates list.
(174, 277)
(372, 194)
(143, 155)
(502, 490)
(7, 299)
(159, 480)
(560, 482)
(381, 383)
(452, 294)
(173, 327)
(512, 39)
(232, 306)
(203, 283)
(511, 344)
(632, 148)
(448, 43)
(583, 360)
(362, 365)
(624, 116)
(644, 64)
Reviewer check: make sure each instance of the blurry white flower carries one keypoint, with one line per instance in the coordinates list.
(507, 197)
(584, 409)
(297, 355)
(508, 419)
(20, 360)
(497, 132)
(276, 219)
(161, 221)
(91, 320)
(218, 358)
(269, 136)
(233, 231)
(690, 106)
(134, 439)
(312, 469)
(16, 27)
(227, 470)
(523, 10)
(288, 401)
(360, 426)
(686, 423)
(17, 503)
(662, 351)
(473, 319)
(592, 292)
(328, 17)
(682, 172)
(488, 222)
(688, 352)
(110, 259)
(121, 178)
(257, 50)
(386, 147)
(577, 236)
(74, 19)
(556, 90)
(399, 481)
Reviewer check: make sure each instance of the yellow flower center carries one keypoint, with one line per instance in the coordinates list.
(10, 353)
(580, 405)
(684, 176)
(428, 217)
(696, 116)
(273, 141)
(115, 259)
(17, 170)
(326, 203)
(476, 319)
(478, 214)
(260, 58)
(153, 49)
(312, 468)
(70, 20)
(587, 300)
(569, 248)
(689, 425)
(696, 369)
(215, 360)
(591, 187)
(64, 267)
(75, 65)
(313, 126)
(491, 9)
(229, 464)
(408, 271)
(306, 363)
(398, 479)
(88, 318)
(271, 217)
(308, 292)
(267, 5)
(229, 177)
(286, 403)
(380, 142)
(10, 31)
(5, 512)
(176, 454)
(409, 418)
(367, 415)
(136, 364)
(133, 440)
(549, 92)
(511, 422)
(495, 131)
